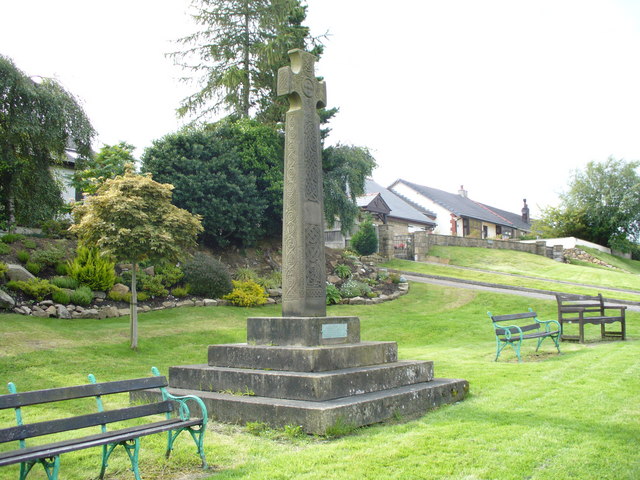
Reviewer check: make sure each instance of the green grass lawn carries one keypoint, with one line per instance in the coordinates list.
(565, 416)
(519, 263)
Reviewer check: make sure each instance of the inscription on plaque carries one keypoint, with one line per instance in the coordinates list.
(334, 330)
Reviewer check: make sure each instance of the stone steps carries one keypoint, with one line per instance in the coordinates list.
(311, 386)
(317, 417)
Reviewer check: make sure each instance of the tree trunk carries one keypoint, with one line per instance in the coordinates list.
(246, 81)
(134, 309)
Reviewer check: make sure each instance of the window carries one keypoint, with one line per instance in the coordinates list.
(465, 227)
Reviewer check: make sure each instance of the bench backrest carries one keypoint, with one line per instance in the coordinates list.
(520, 319)
(569, 303)
(36, 397)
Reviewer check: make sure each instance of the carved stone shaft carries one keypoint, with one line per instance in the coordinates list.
(303, 262)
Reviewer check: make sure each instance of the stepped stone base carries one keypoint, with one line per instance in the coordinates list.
(317, 417)
(312, 372)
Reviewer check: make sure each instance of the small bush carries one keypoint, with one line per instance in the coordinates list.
(33, 268)
(343, 271)
(180, 292)
(117, 296)
(11, 237)
(61, 269)
(154, 287)
(23, 256)
(65, 282)
(81, 296)
(56, 228)
(247, 294)
(49, 257)
(3, 269)
(170, 274)
(354, 288)
(4, 249)
(37, 288)
(365, 240)
(207, 276)
(246, 275)
(61, 296)
(395, 278)
(333, 294)
(92, 269)
(273, 280)
(29, 243)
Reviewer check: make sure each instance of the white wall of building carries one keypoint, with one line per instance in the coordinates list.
(443, 216)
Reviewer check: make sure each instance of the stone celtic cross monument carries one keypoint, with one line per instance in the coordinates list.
(303, 264)
(303, 367)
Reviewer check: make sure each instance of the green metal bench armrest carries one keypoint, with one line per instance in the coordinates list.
(507, 330)
(547, 324)
(184, 412)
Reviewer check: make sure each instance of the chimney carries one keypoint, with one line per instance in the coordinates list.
(525, 211)
(462, 192)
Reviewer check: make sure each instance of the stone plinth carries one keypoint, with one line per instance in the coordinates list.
(308, 331)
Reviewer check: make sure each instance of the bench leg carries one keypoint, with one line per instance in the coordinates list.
(198, 437)
(51, 467)
(133, 450)
(581, 324)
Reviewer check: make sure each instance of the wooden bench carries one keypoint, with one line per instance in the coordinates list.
(510, 330)
(48, 455)
(583, 309)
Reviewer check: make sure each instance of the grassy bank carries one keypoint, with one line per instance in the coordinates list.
(499, 266)
(551, 417)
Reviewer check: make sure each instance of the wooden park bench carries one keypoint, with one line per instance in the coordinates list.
(514, 328)
(48, 454)
(583, 309)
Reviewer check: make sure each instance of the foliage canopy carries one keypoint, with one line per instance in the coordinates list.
(237, 52)
(109, 162)
(602, 205)
(39, 121)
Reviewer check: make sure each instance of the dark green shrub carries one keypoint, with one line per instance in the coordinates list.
(11, 237)
(65, 282)
(4, 249)
(92, 269)
(247, 294)
(365, 240)
(29, 243)
(56, 228)
(49, 257)
(61, 296)
(37, 288)
(23, 256)
(33, 268)
(81, 296)
(207, 276)
(333, 294)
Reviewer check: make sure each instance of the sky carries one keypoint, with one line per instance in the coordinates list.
(505, 97)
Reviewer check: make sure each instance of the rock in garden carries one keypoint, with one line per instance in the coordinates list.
(18, 272)
(209, 302)
(6, 300)
(120, 288)
(62, 312)
(51, 311)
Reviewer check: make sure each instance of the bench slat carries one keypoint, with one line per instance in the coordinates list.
(80, 391)
(530, 335)
(22, 432)
(58, 448)
(513, 316)
(525, 328)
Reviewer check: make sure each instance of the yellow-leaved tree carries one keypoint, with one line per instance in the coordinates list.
(131, 218)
